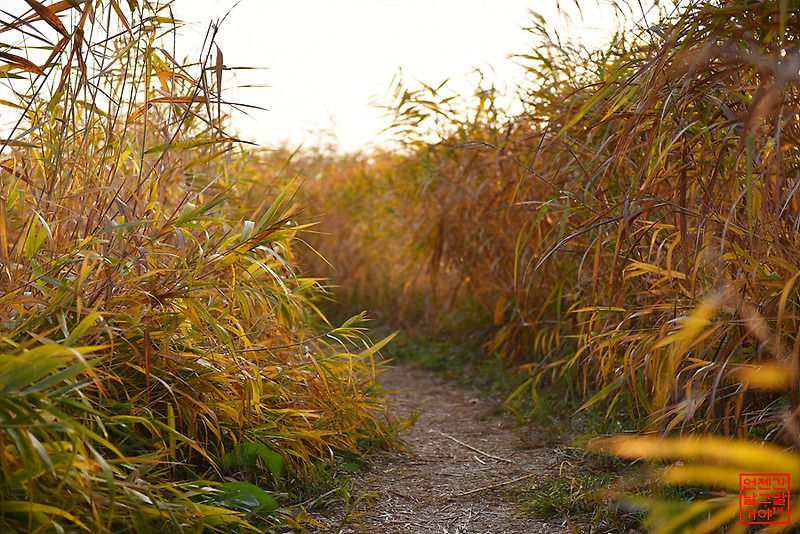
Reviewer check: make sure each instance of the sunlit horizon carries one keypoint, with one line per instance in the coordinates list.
(321, 73)
(320, 68)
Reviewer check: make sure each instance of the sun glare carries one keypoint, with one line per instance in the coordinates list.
(321, 67)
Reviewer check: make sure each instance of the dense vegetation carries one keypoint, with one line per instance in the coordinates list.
(163, 364)
(632, 236)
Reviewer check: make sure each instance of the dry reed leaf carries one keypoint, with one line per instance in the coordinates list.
(746, 455)
(21, 63)
(776, 377)
(48, 16)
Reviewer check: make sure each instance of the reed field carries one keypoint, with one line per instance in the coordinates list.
(164, 367)
(630, 238)
(182, 346)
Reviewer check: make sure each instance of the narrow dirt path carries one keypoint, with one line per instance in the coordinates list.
(459, 473)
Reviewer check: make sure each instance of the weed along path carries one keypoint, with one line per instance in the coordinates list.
(458, 474)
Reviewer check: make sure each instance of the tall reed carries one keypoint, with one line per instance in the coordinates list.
(632, 236)
(163, 367)
(643, 182)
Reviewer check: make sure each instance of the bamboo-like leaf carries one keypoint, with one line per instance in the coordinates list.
(31, 508)
(21, 63)
(715, 476)
(369, 352)
(48, 16)
(751, 457)
(772, 377)
(247, 496)
(218, 67)
(193, 143)
(63, 5)
(15, 143)
(603, 393)
(41, 452)
(681, 520)
(20, 371)
(58, 378)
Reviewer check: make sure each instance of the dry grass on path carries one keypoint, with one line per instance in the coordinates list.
(459, 473)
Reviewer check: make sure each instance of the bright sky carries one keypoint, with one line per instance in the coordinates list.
(325, 61)
(322, 64)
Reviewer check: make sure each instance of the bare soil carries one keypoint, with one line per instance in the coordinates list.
(459, 472)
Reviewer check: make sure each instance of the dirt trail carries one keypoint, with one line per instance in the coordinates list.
(458, 476)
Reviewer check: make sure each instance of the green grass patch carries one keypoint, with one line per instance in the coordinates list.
(583, 492)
